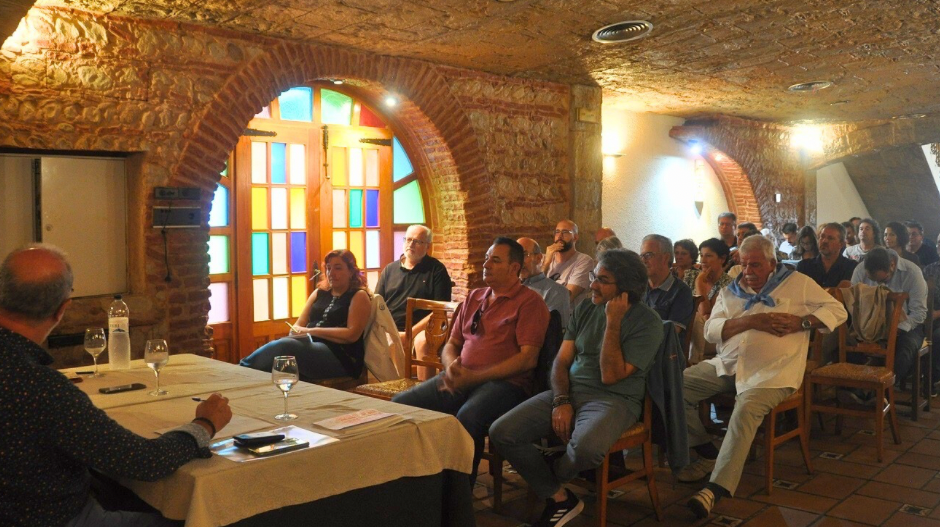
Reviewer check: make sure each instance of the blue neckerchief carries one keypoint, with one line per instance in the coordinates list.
(763, 297)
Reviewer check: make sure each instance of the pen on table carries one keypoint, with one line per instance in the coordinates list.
(199, 399)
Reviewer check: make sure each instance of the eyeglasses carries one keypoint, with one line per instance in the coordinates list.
(647, 256)
(564, 232)
(475, 323)
(599, 279)
(414, 241)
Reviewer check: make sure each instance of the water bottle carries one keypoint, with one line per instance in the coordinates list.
(119, 347)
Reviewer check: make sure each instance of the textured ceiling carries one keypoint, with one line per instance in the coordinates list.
(704, 57)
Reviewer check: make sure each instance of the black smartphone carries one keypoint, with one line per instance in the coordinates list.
(256, 439)
(287, 445)
(123, 388)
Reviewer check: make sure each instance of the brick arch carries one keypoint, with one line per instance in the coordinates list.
(429, 121)
(739, 193)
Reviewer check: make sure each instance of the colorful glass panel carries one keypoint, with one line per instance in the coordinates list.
(355, 208)
(372, 250)
(298, 252)
(372, 167)
(367, 118)
(279, 253)
(357, 246)
(355, 167)
(335, 108)
(259, 162)
(281, 297)
(265, 113)
(260, 299)
(298, 208)
(399, 243)
(218, 214)
(218, 303)
(401, 165)
(339, 208)
(259, 209)
(278, 208)
(372, 208)
(298, 294)
(278, 163)
(298, 165)
(372, 278)
(339, 167)
(408, 207)
(260, 264)
(218, 254)
(296, 104)
(339, 240)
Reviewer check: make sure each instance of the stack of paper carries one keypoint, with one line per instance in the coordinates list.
(358, 423)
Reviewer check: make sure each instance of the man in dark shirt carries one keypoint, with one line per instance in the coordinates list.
(829, 267)
(52, 433)
(916, 245)
(727, 225)
(669, 297)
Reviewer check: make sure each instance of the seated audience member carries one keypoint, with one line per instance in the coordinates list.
(884, 267)
(416, 274)
(598, 385)
(327, 338)
(868, 238)
(850, 236)
(932, 271)
(807, 248)
(493, 348)
(53, 433)
(606, 240)
(896, 239)
(790, 235)
(727, 225)
(685, 253)
(706, 282)
(765, 315)
(924, 251)
(668, 296)
(555, 295)
(744, 230)
(829, 268)
(856, 221)
(565, 265)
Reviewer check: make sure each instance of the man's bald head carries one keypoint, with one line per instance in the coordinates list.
(602, 233)
(34, 282)
(531, 265)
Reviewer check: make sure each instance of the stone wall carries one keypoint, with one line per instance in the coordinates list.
(493, 154)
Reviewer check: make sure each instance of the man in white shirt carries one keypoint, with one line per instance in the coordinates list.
(761, 324)
(869, 237)
(565, 265)
(789, 243)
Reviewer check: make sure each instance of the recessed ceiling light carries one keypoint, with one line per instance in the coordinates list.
(625, 31)
(811, 86)
(390, 101)
(337, 81)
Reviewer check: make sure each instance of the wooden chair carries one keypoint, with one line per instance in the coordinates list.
(922, 375)
(437, 333)
(638, 435)
(844, 375)
(687, 338)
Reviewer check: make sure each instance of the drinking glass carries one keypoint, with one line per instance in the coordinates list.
(285, 375)
(95, 343)
(156, 355)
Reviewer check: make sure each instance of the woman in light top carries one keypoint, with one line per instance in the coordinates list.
(686, 257)
(706, 283)
(327, 338)
(807, 247)
(896, 239)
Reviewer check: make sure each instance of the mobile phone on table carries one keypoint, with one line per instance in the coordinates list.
(123, 388)
(287, 445)
(257, 439)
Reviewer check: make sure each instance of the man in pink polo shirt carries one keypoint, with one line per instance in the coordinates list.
(493, 349)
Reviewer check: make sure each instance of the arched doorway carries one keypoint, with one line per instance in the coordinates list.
(316, 170)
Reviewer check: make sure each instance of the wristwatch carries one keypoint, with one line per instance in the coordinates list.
(806, 324)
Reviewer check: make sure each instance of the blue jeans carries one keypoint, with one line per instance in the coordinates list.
(314, 360)
(476, 408)
(599, 420)
(905, 351)
(94, 516)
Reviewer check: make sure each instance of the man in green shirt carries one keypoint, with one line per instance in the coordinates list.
(598, 385)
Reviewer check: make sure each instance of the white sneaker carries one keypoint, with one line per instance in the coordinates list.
(696, 471)
(701, 503)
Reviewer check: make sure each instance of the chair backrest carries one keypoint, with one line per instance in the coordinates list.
(550, 347)
(894, 306)
(687, 336)
(928, 320)
(436, 333)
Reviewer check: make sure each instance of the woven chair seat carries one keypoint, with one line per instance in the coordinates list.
(635, 430)
(387, 389)
(854, 372)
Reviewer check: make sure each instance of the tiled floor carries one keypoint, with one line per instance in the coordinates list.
(848, 488)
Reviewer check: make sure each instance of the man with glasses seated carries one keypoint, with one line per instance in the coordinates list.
(598, 386)
(668, 296)
(492, 351)
(555, 294)
(565, 265)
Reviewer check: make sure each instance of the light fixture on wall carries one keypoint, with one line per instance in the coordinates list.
(698, 182)
(777, 197)
(337, 81)
(806, 137)
(611, 144)
(391, 101)
(695, 148)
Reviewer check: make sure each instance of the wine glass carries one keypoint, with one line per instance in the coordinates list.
(95, 343)
(285, 375)
(156, 355)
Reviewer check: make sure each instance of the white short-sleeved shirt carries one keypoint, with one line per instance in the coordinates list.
(574, 271)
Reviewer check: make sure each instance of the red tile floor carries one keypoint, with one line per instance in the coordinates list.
(848, 487)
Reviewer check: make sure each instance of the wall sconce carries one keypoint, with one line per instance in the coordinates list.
(698, 180)
(777, 197)
(614, 154)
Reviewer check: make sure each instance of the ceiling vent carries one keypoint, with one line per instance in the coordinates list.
(623, 32)
(809, 87)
